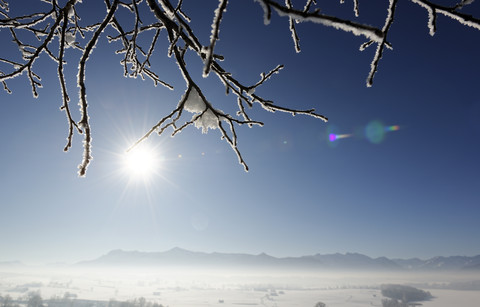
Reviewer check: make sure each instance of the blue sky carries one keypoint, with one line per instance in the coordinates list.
(414, 193)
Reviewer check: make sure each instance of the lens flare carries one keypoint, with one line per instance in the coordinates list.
(333, 137)
(375, 132)
(392, 128)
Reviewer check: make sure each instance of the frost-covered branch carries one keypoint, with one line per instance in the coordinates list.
(293, 30)
(206, 115)
(63, 85)
(222, 6)
(135, 29)
(381, 45)
(358, 29)
(84, 120)
(133, 66)
(29, 53)
(452, 12)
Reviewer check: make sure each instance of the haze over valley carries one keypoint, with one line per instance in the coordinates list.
(179, 277)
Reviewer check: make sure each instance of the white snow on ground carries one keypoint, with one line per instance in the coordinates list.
(449, 298)
(196, 289)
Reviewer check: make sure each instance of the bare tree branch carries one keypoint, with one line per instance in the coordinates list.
(136, 42)
(84, 121)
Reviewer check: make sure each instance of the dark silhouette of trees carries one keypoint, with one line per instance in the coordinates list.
(34, 299)
(404, 294)
(7, 301)
(393, 303)
(136, 27)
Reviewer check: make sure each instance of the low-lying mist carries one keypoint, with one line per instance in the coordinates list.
(197, 286)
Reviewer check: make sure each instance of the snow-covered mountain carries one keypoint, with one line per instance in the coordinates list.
(181, 257)
(350, 261)
(442, 263)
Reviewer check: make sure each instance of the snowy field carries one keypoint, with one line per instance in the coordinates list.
(190, 289)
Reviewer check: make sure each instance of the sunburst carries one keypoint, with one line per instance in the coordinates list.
(141, 162)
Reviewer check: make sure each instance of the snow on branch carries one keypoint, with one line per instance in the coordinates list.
(66, 99)
(381, 45)
(293, 30)
(206, 116)
(84, 121)
(452, 12)
(222, 6)
(29, 53)
(462, 4)
(57, 27)
(355, 8)
(357, 29)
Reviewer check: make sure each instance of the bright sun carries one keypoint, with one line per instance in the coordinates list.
(141, 162)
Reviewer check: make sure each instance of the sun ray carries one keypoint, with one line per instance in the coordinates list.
(141, 162)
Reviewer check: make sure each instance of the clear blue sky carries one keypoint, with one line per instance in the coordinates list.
(415, 193)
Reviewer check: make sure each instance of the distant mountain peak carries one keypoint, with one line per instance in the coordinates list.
(178, 256)
(264, 255)
(177, 249)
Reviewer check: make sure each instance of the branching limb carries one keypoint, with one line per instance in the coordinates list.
(214, 37)
(358, 29)
(63, 85)
(206, 116)
(293, 30)
(136, 43)
(84, 121)
(308, 5)
(31, 57)
(132, 65)
(451, 12)
(381, 45)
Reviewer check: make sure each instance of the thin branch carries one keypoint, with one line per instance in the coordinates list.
(381, 45)
(326, 20)
(293, 30)
(450, 12)
(61, 77)
(222, 6)
(84, 121)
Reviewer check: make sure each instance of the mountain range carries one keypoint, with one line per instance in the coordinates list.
(178, 257)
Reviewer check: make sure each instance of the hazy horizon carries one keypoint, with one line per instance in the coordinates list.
(96, 257)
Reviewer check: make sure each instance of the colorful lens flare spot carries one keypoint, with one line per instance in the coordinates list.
(333, 137)
(392, 128)
(375, 132)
